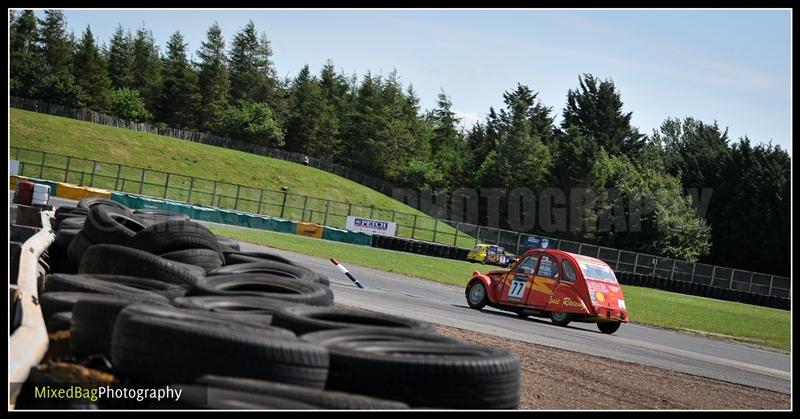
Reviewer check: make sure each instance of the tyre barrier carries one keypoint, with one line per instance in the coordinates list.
(419, 247)
(702, 290)
(165, 302)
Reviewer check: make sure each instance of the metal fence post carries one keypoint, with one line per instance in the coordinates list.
(619, 255)
(371, 211)
(455, 236)
(672, 274)
(636, 263)
(236, 202)
(41, 166)
(94, 169)
(141, 184)
(166, 186)
(116, 181)
(478, 236)
(81, 184)
(435, 227)
(749, 287)
(325, 217)
(214, 193)
(66, 171)
(260, 200)
(694, 267)
(349, 209)
(414, 226)
(771, 278)
(283, 206)
(519, 241)
(305, 203)
(497, 242)
(191, 186)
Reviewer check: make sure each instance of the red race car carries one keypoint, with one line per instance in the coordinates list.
(552, 283)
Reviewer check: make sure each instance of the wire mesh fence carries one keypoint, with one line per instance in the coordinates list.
(284, 204)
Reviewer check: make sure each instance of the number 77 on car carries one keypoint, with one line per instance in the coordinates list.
(552, 283)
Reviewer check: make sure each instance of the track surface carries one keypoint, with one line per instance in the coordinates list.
(446, 304)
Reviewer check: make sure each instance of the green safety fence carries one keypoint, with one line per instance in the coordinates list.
(237, 218)
(346, 236)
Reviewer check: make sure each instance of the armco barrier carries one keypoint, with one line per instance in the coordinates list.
(309, 230)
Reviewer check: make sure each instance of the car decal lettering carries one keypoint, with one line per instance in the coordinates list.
(566, 301)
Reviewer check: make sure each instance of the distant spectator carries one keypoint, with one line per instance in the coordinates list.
(305, 160)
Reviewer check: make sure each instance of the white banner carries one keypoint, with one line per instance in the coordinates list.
(386, 228)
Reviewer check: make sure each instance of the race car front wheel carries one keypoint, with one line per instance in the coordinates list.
(608, 327)
(476, 295)
(560, 319)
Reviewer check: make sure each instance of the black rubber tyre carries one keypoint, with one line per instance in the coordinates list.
(421, 370)
(58, 251)
(560, 318)
(66, 211)
(93, 319)
(77, 248)
(476, 294)
(205, 258)
(155, 344)
(175, 235)
(264, 285)
(117, 285)
(106, 224)
(324, 399)
(608, 327)
(274, 268)
(55, 302)
(59, 321)
(121, 260)
(206, 397)
(114, 285)
(251, 310)
(75, 222)
(307, 319)
(233, 257)
(233, 304)
(229, 243)
(92, 202)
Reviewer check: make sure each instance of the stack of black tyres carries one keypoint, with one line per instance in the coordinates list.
(164, 300)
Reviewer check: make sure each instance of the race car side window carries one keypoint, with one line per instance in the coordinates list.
(548, 267)
(527, 265)
(569, 271)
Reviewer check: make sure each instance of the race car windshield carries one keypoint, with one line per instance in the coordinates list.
(598, 272)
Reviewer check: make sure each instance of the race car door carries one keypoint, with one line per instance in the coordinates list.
(543, 282)
(516, 283)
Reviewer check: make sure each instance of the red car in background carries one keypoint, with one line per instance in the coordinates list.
(553, 283)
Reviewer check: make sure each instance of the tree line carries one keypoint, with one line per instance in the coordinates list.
(374, 124)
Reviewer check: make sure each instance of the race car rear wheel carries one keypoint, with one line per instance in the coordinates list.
(476, 295)
(560, 318)
(608, 327)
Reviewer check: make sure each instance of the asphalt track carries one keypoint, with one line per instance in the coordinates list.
(445, 304)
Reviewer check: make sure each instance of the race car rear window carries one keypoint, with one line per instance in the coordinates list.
(597, 272)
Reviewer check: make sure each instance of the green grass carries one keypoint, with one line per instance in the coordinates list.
(721, 319)
(120, 146)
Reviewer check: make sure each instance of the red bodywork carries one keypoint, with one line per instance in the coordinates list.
(522, 289)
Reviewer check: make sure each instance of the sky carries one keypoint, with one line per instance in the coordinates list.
(729, 66)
